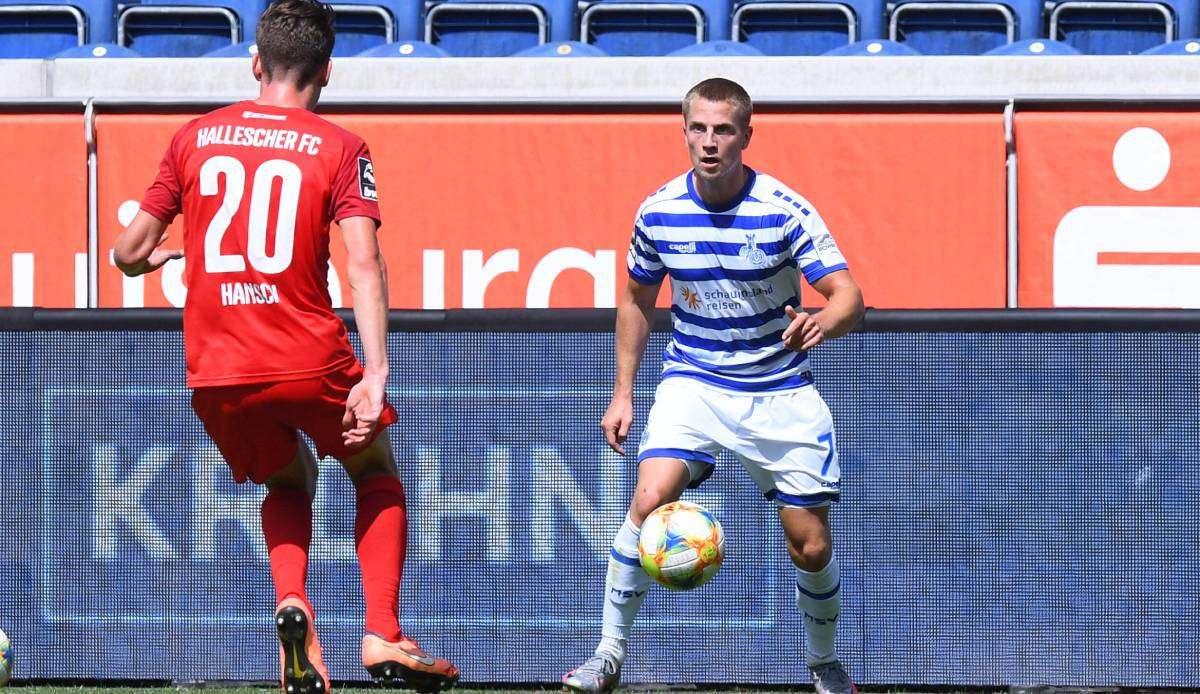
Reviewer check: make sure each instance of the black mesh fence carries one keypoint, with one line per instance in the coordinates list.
(1018, 506)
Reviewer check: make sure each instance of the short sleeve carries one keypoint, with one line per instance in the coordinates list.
(354, 193)
(164, 197)
(813, 247)
(645, 265)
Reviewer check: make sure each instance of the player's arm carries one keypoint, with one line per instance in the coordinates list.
(137, 249)
(635, 316)
(367, 274)
(843, 310)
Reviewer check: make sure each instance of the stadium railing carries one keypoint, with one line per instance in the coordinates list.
(804, 28)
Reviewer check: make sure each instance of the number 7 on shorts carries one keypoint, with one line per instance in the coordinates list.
(827, 439)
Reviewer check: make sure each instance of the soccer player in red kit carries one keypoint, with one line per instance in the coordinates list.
(259, 183)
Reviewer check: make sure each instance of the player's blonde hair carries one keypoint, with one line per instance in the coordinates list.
(295, 36)
(721, 89)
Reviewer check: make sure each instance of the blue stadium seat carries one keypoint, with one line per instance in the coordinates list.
(561, 49)
(717, 48)
(405, 49)
(806, 27)
(42, 28)
(1180, 47)
(245, 49)
(186, 28)
(653, 27)
(96, 50)
(873, 47)
(963, 27)
(365, 24)
(1100, 27)
(1034, 47)
(498, 27)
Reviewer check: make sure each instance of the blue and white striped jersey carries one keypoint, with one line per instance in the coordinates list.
(732, 273)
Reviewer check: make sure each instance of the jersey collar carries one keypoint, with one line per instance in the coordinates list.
(737, 199)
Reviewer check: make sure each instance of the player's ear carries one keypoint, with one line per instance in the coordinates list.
(746, 137)
(326, 73)
(256, 66)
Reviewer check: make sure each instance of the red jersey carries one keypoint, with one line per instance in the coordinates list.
(258, 187)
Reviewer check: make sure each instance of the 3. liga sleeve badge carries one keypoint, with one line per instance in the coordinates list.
(366, 179)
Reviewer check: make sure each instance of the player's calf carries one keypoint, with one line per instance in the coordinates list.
(405, 663)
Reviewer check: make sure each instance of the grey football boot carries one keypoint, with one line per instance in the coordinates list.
(597, 674)
(831, 678)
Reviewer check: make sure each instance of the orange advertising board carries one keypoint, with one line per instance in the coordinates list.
(536, 209)
(1107, 214)
(43, 191)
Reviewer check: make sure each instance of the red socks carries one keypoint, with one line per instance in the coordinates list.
(287, 528)
(380, 533)
(381, 536)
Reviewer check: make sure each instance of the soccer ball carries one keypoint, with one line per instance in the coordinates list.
(5, 659)
(681, 545)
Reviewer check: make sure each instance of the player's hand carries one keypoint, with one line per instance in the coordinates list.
(364, 406)
(803, 333)
(616, 422)
(161, 256)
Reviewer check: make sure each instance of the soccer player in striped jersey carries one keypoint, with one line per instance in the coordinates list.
(736, 376)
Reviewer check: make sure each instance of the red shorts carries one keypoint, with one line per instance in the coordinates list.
(255, 425)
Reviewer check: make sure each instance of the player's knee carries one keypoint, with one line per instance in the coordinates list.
(300, 473)
(369, 465)
(646, 500)
(811, 554)
(374, 461)
(359, 475)
(278, 481)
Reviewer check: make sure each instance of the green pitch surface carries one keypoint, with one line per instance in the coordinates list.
(263, 689)
(19, 688)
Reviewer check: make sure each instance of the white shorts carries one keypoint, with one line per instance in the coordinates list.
(785, 441)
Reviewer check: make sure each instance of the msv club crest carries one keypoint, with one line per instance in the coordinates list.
(752, 252)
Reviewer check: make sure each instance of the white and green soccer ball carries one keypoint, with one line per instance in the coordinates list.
(6, 659)
(681, 545)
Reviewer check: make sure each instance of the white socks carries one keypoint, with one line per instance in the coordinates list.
(624, 590)
(817, 599)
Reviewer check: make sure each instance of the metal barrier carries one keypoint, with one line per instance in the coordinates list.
(739, 15)
(176, 11)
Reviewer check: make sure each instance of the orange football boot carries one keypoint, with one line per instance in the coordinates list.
(303, 669)
(404, 661)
